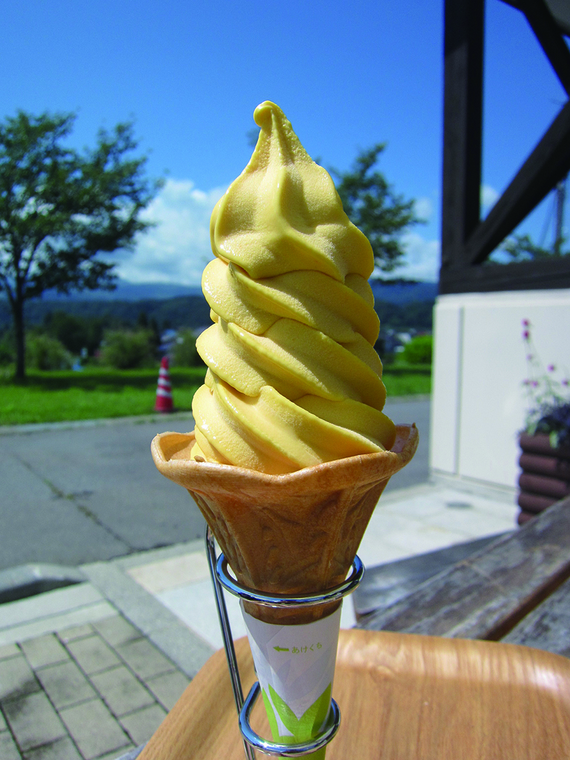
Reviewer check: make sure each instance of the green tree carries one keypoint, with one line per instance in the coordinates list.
(523, 248)
(151, 326)
(372, 204)
(59, 209)
(76, 332)
(184, 352)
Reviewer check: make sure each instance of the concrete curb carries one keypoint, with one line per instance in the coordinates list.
(28, 580)
(161, 626)
(71, 424)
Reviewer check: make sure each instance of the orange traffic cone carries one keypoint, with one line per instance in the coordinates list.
(164, 390)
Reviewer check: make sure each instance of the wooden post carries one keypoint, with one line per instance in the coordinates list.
(463, 96)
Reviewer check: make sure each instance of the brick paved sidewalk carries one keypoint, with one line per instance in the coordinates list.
(88, 692)
(88, 671)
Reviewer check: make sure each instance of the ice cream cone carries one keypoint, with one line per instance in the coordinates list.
(286, 534)
(289, 534)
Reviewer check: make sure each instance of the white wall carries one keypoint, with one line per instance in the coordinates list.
(478, 400)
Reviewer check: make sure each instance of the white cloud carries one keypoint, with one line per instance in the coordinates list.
(423, 208)
(178, 247)
(488, 197)
(422, 258)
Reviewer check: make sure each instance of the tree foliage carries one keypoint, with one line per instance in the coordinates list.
(375, 208)
(76, 333)
(184, 353)
(60, 210)
(523, 248)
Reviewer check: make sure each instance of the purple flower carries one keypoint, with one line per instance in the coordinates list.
(550, 408)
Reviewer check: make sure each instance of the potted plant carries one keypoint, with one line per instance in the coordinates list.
(545, 439)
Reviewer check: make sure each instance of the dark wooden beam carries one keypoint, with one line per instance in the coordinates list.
(545, 167)
(558, 8)
(532, 275)
(547, 33)
(463, 95)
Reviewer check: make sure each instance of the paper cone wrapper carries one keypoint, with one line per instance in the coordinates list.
(295, 667)
(296, 533)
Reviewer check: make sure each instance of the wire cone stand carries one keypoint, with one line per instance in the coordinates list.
(221, 579)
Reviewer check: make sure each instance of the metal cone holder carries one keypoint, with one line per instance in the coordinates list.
(221, 579)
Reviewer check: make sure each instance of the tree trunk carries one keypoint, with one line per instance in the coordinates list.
(18, 314)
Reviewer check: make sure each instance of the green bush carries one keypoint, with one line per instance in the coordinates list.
(46, 353)
(124, 349)
(184, 352)
(418, 350)
(7, 350)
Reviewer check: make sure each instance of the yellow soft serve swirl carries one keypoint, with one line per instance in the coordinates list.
(293, 378)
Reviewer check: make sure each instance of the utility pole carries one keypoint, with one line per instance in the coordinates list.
(559, 217)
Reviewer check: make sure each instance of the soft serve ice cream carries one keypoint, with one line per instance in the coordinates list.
(293, 378)
(291, 450)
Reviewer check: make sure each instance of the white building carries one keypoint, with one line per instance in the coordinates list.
(480, 358)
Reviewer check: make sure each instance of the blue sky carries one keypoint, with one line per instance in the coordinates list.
(191, 74)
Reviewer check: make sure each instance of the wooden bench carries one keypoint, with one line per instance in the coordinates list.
(515, 589)
(385, 584)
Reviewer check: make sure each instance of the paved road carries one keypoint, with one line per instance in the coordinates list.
(70, 495)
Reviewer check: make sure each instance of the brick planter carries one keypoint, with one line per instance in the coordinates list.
(545, 475)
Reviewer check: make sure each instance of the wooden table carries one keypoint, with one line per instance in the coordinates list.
(402, 697)
(418, 696)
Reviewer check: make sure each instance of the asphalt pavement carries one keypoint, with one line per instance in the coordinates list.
(78, 493)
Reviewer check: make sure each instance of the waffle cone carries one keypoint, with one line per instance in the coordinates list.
(296, 533)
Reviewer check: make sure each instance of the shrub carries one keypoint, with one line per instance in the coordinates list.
(184, 352)
(7, 350)
(123, 349)
(46, 353)
(418, 350)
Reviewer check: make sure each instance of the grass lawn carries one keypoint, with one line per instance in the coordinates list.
(407, 379)
(101, 393)
(92, 394)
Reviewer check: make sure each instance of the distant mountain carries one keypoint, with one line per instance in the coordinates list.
(128, 291)
(398, 293)
(399, 305)
(403, 293)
